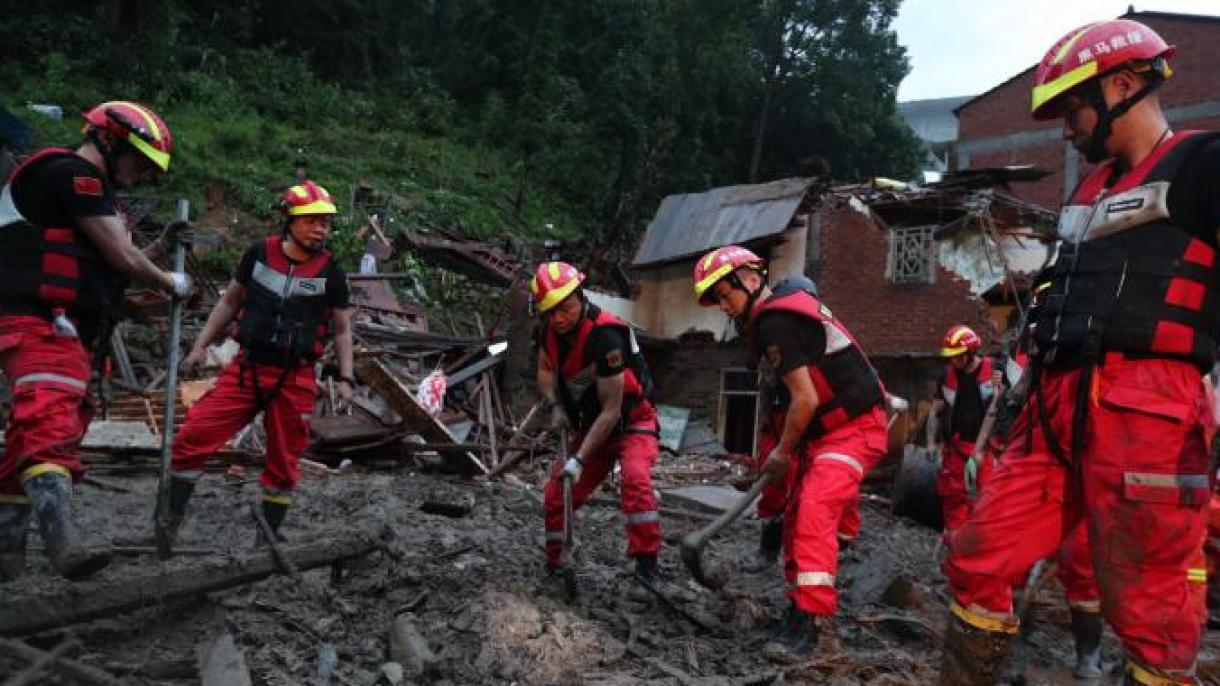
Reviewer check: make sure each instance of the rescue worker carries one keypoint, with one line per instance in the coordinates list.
(285, 300)
(834, 425)
(65, 257)
(1074, 565)
(966, 388)
(589, 364)
(772, 500)
(1111, 434)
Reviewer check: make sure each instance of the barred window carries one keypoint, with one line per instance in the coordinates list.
(912, 257)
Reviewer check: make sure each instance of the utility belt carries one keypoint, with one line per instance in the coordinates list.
(251, 359)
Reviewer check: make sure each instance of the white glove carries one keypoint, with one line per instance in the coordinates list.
(899, 404)
(571, 468)
(182, 284)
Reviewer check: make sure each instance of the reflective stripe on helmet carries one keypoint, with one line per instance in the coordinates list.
(1049, 91)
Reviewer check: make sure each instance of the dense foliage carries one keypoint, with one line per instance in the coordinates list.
(492, 117)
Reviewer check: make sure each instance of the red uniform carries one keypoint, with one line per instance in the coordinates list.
(603, 345)
(1112, 436)
(966, 418)
(774, 497)
(282, 328)
(846, 436)
(48, 266)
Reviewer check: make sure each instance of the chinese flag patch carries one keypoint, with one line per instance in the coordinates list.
(87, 185)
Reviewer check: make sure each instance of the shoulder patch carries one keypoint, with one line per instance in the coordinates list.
(87, 185)
(614, 359)
(773, 356)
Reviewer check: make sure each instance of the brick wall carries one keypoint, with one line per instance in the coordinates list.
(887, 318)
(1005, 110)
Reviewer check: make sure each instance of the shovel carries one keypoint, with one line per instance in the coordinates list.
(161, 516)
(696, 541)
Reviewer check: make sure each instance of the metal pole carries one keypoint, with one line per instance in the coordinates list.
(161, 517)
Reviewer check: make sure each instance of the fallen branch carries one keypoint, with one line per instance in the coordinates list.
(23, 617)
(40, 660)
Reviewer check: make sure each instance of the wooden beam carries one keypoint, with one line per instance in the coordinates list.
(32, 615)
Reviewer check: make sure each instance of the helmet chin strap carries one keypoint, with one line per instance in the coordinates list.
(1095, 147)
(751, 296)
(111, 152)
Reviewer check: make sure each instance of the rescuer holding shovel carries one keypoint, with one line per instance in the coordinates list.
(65, 257)
(1111, 435)
(834, 425)
(286, 299)
(590, 366)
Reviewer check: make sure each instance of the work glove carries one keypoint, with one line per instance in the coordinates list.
(898, 404)
(972, 477)
(571, 468)
(183, 285)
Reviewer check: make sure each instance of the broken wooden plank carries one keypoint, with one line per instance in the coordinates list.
(70, 668)
(22, 617)
(221, 663)
(348, 428)
(374, 373)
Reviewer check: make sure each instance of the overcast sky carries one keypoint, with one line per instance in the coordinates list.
(964, 47)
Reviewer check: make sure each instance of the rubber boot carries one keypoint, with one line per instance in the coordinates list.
(180, 492)
(1086, 631)
(274, 511)
(646, 568)
(783, 625)
(770, 540)
(50, 497)
(973, 657)
(797, 642)
(14, 531)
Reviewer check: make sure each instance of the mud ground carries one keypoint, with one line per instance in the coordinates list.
(472, 586)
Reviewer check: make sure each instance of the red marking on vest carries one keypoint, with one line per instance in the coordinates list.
(87, 185)
(1200, 253)
(1186, 293)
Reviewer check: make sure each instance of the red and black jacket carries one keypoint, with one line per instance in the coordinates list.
(845, 381)
(285, 318)
(49, 267)
(576, 374)
(1130, 277)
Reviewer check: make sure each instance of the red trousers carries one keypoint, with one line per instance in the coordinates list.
(48, 376)
(1140, 485)
(827, 482)
(774, 497)
(1075, 560)
(230, 406)
(955, 502)
(636, 454)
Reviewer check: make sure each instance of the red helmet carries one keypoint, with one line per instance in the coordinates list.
(1093, 50)
(552, 282)
(307, 198)
(136, 124)
(960, 339)
(718, 264)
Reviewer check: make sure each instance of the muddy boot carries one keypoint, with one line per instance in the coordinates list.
(797, 642)
(275, 509)
(973, 657)
(50, 497)
(770, 539)
(783, 625)
(1086, 631)
(180, 492)
(14, 530)
(646, 568)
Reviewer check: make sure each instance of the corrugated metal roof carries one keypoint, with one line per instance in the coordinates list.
(689, 224)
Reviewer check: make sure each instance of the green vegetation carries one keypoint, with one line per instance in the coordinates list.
(494, 118)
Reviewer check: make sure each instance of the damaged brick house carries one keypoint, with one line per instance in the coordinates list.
(878, 256)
